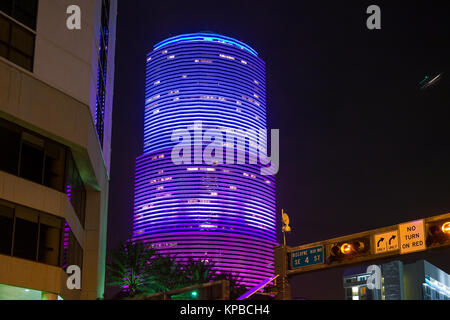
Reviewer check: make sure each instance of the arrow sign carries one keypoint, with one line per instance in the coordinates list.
(392, 238)
(381, 240)
(385, 246)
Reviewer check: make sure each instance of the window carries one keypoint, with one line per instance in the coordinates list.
(54, 165)
(29, 234)
(26, 233)
(75, 189)
(24, 11)
(49, 239)
(10, 147)
(32, 158)
(348, 293)
(73, 253)
(43, 161)
(16, 43)
(6, 228)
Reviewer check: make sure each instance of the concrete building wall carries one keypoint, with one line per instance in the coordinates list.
(57, 100)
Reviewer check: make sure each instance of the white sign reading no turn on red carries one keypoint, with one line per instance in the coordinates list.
(412, 236)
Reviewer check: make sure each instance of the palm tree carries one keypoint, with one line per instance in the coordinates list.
(168, 274)
(236, 289)
(129, 267)
(138, 269)
(197, 272)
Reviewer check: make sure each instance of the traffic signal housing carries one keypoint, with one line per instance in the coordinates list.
(348, 249)
(438, 233)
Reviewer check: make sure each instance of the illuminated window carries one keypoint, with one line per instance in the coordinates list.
(226, 57)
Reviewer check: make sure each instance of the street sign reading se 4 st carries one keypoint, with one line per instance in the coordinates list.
(307, 257)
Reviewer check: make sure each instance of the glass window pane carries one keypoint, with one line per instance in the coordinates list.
(3, 50)
(4, 29)
(25, 233)
(6, 228)
(49, 239)
(32, 158)
(22, 40)
(20, 59)
(75, 185)
(54, 165)
(75, 252)
(10, 146)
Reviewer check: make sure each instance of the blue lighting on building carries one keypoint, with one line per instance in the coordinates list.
(220, 213)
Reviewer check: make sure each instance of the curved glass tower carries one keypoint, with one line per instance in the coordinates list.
(222, 213)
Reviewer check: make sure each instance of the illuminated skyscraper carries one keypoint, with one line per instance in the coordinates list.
(222, 213)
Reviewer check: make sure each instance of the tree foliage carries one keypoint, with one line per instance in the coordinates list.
(129, 267)
(236, 289)
(138, 269)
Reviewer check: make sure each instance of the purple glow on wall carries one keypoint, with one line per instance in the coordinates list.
(220, 213)
(66, 232)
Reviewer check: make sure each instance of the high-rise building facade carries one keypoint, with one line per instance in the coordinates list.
(216, 211)
(56, 96)
(413, 281)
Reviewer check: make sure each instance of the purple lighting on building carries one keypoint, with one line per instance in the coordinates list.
(221, 213)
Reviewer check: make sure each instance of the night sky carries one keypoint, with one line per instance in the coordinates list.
(362, 146)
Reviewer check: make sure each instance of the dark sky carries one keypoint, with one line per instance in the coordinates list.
(361, 146)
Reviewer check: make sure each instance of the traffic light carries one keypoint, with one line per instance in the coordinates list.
(446, 227)
(438, 232)
(346, 250)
